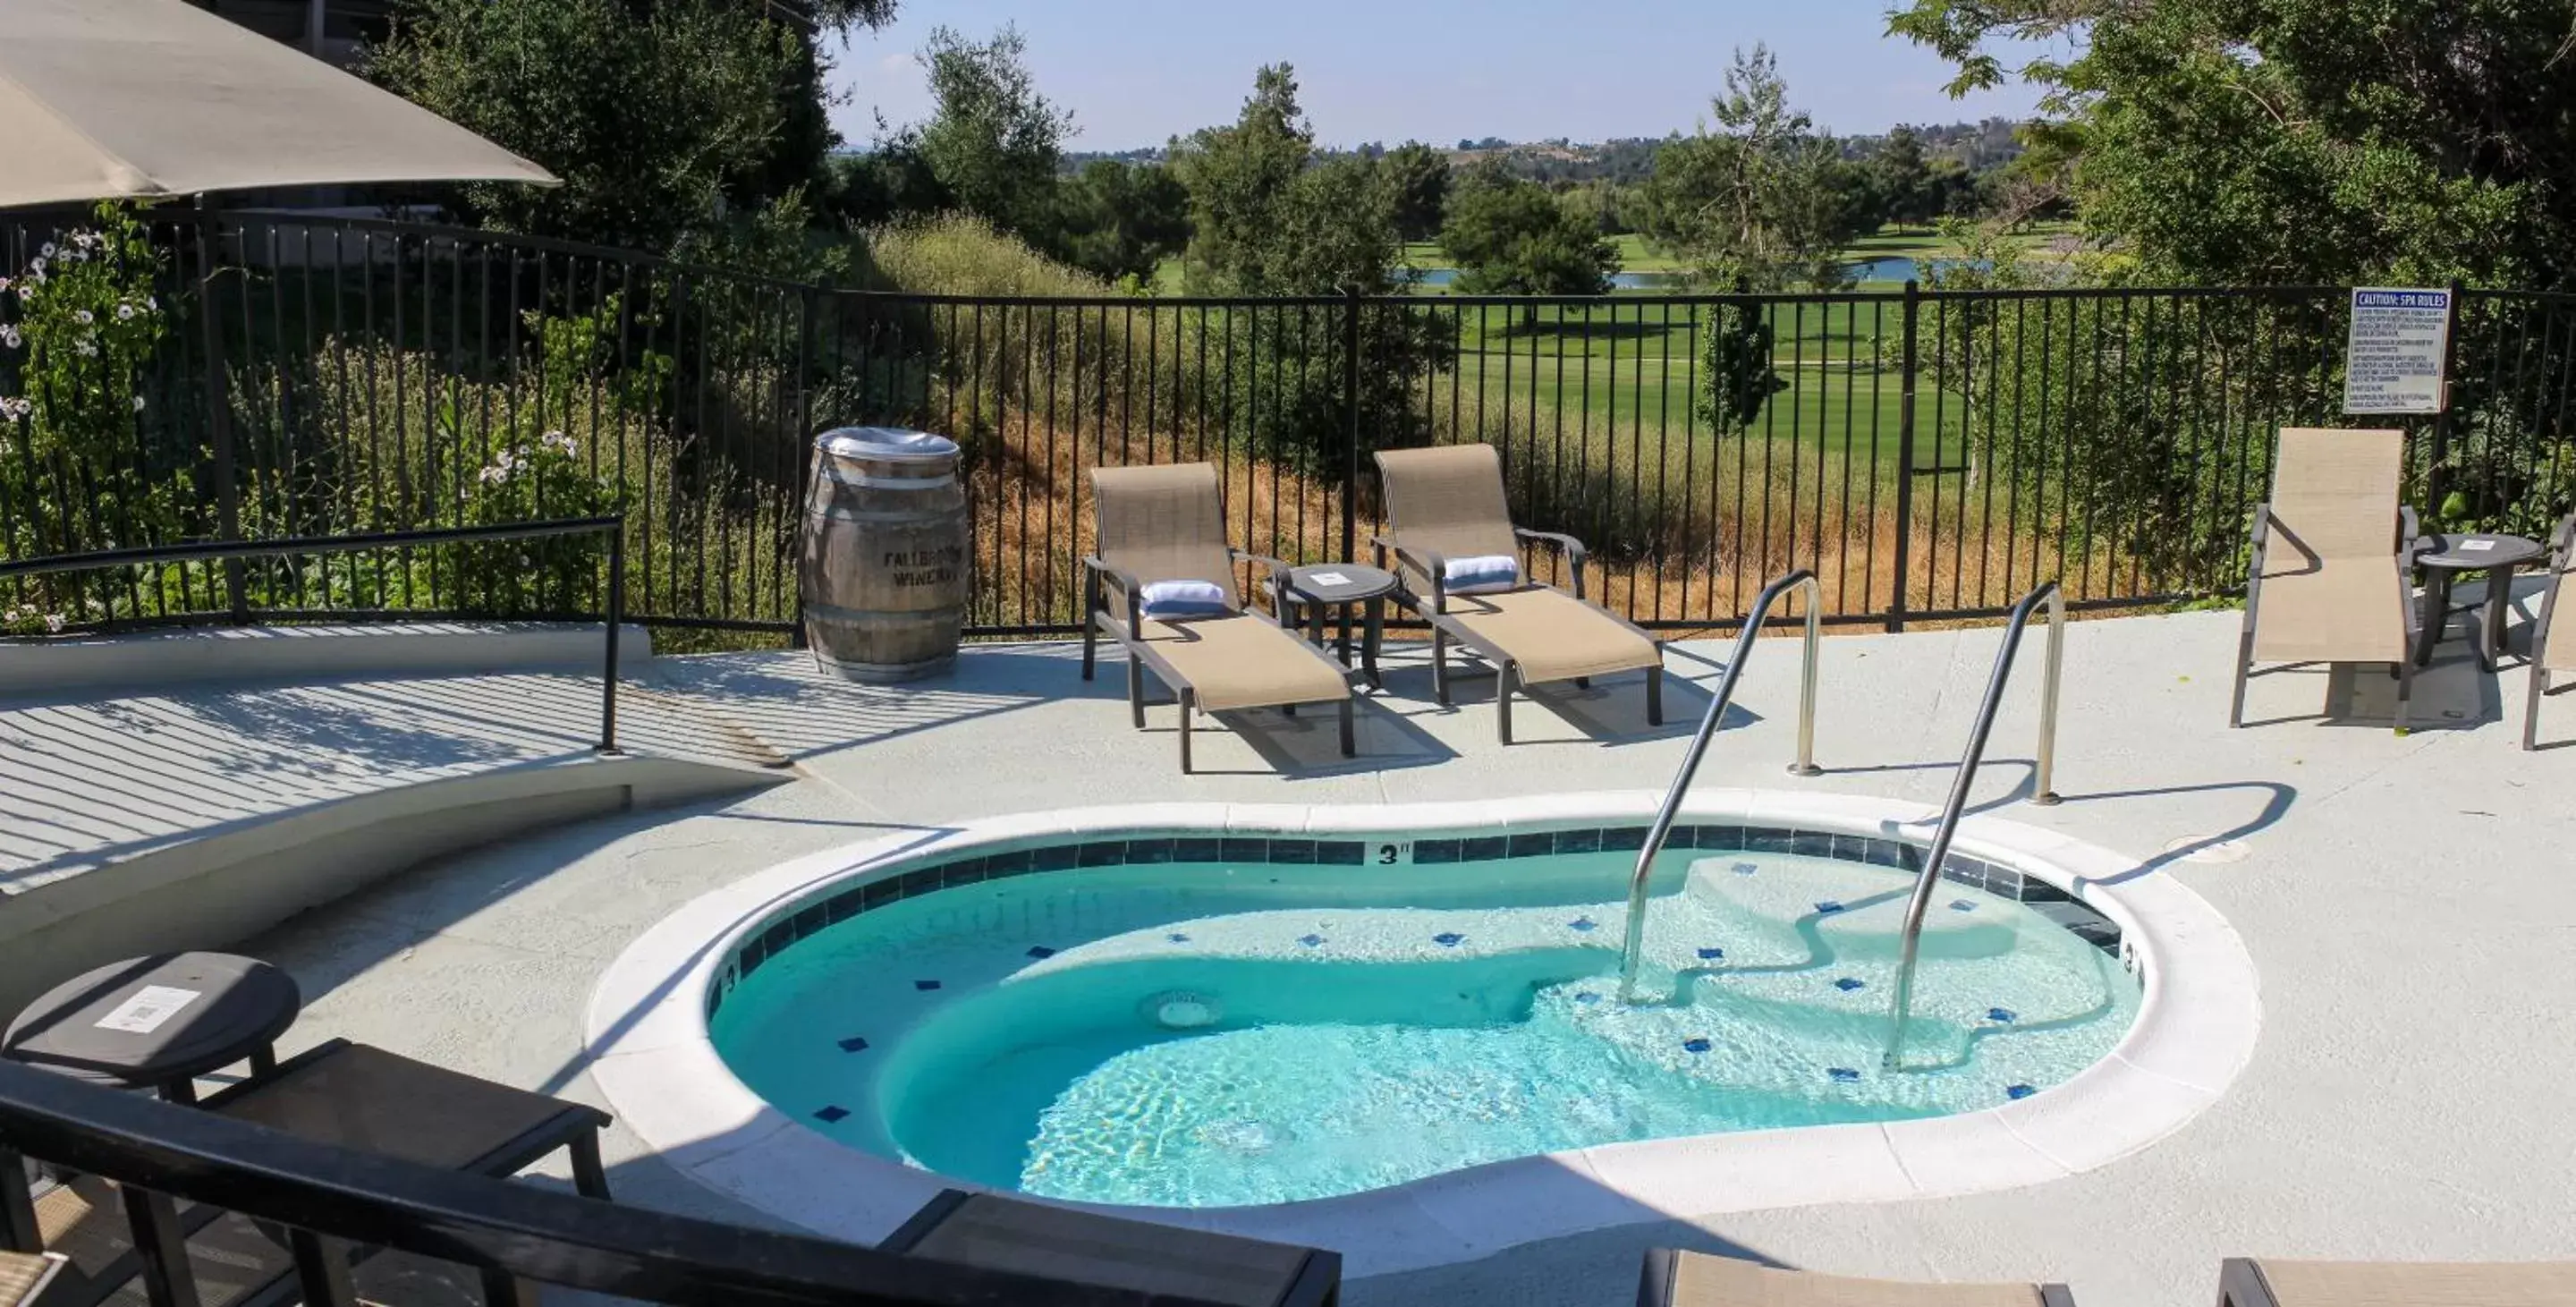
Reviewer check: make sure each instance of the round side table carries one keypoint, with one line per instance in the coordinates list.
(1313, 589)
(157, 1022)
(2499, 556)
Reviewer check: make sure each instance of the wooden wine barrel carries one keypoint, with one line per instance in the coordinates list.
(885, 563)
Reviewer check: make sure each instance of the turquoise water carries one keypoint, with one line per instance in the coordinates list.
(1204, 1035)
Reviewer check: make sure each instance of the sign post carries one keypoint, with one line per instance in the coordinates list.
(2395, 357)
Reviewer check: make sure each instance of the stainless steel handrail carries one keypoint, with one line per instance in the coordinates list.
(1804, 766)
(2043, 792)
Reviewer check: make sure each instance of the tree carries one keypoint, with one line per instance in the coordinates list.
(1122, 220)
(1419, 177)
(1904, 179)
(1268, 218)
(1754, 201)
(993, 143)
(658, 116)
(2300, 141)
(1509, 236)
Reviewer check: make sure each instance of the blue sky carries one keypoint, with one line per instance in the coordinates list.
(1137, 71)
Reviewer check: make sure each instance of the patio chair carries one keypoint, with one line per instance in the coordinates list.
(2333, 561)
(2544, 657)
(351, 1095)
(1162, 546)
(2266, 1282)
(1447, 522)
(1680, 1279)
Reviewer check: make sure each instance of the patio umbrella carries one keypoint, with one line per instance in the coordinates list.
(104, 99)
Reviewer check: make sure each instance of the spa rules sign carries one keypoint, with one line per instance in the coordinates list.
(2393, 360)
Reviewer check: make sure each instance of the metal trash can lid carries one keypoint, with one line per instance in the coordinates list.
(888, 444)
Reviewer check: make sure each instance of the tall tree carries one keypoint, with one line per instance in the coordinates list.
(658, 114)
(1269, 218)
(1419, 177)
(2307, 141)
(1754, 201)
(992, 143)
(1904, 178)
(1510, 236)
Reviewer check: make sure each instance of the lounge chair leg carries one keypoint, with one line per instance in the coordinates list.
(2531, 704)
(1135, 689)
(2405, 691)
(1188, 703)
(1655, 694)
(1350, 743)
(1440, 666)
(1504, 677)
(1583, 682)
(502, 1289)
(589, 1178)
(1090, 641)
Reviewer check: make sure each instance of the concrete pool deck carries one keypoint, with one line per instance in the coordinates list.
(2405, 901)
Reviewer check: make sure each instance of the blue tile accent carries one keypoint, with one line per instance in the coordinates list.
(1883, 853)
(854, 1044)
(1429, 852)
(1340, 853)
(1586, 840)
(1294, 853)
(1681, 837)
(2000, 1015)
(1484, 848)
(2035, 890)
(925, 986)
(810, 920)
(1963, 871)
(2004, 881)
(1847, 984)
(1055, 857)
(753, 954)
(715, 998)
(1243, 850)
(1828, 907)
(1811, 844)
(1310, 941)
(961, 873)
(841, 906)
(1013, 863)
(1721, 838)
(1040, 951)
(1533, 844)
(2019, 1091)
(1583, 923)
(1103, 853)
(1187, 848)
(1767, 839)
(1712, 955)
(1962, 905)
(1842, 1075)
(911, 883)
(1622, 839)
(1695, 1044)
(830, 1115)
(876, 894)
(1448, 939)
(1177, 937)
(778, 937)
(1150, 852)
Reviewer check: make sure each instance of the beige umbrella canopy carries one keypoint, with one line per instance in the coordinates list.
(103, 99)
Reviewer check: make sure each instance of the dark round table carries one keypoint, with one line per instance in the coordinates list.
(157, 1022)
(2444, 561)
(1313, 589)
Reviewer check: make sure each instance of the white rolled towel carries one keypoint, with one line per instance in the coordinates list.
(1483, 574)
(1166, 600)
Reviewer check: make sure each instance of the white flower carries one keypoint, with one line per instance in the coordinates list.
(138, 403)
(151, 301)
(9, 337)
(46, 249)
(93, 605)
(83, 317)
(36, 267)
(4, 283)
(125, 313)
(54, 623)
(492, 476)
(85, 347)
(561, 443)
(16, 408)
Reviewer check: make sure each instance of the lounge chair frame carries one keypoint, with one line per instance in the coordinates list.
(2562, 556)
(1656, 1287)
(2409, 543)
(1098, 574)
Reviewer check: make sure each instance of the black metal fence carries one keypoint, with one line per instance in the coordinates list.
(1929, 453)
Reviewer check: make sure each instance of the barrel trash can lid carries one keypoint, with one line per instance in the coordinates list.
(887, 444)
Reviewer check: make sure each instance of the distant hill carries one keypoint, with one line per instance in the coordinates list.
(1977, 146)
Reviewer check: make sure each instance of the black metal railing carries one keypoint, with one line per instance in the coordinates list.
(235, 583)
(1927, 452)
(320, 1199)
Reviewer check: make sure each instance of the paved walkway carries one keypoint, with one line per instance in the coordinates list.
(2407, 901)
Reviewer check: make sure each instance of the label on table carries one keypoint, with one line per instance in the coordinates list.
(2475, 546)
(150, 1009)
(1328, 578)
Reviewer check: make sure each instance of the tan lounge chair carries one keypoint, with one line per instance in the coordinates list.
(1447, 503)
(1168, 524)
(2265, 1282)
(2545, 657)
(1678, 1279)
(2333, 561)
